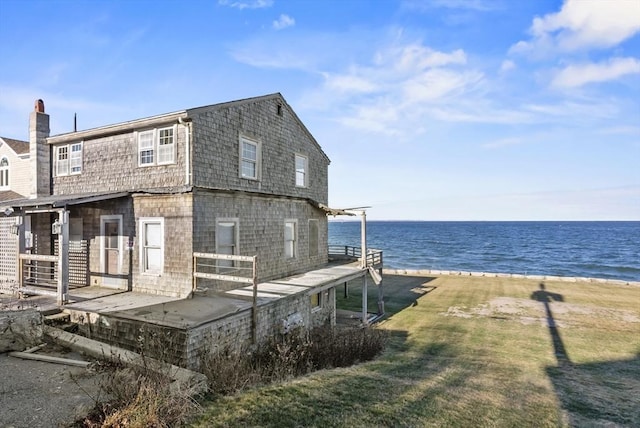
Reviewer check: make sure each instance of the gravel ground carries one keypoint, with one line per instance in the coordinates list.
(42, 394)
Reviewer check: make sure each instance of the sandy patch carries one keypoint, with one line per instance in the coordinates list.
(528, 311)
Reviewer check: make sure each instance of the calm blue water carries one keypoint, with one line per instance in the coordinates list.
(583, 249)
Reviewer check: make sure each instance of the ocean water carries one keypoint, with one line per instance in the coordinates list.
(609, 250)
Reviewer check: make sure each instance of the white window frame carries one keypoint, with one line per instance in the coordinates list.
(302, 174)
(143, 222)
(103, 244)
(236, 240)
(291, 245)
(257, 162)
(72, 163)
(152, 143)
(4, 173)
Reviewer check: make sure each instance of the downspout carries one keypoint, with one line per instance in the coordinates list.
(187, 148)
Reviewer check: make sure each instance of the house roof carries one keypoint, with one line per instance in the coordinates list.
(170, 117)
(59, 201)
(18, 146)
(9, 195)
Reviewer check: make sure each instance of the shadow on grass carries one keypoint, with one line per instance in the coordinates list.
(602, 393)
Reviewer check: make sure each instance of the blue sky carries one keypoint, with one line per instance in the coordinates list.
(429, 110)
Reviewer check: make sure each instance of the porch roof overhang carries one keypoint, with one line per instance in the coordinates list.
(56, 202)
(334, 211)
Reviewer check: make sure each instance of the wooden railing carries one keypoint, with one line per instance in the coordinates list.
(229, 268)
(38, 270)
(374, 257)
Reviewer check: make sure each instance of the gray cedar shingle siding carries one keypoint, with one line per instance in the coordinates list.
(217, 132)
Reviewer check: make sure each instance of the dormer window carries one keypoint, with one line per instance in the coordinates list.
(68, 159)
(4, 174)
(157, 146)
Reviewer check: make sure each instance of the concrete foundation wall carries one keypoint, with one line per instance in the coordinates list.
(186, 346)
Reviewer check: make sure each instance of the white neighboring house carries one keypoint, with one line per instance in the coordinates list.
(14, 184)
(14, 169)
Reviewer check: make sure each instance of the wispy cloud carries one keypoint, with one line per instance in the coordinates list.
(474, 5)
(582, 24)
(503, 142)
(582, 74)
(246, 4)
(283, 22)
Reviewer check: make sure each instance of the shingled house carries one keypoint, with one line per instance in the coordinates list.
(132, 206)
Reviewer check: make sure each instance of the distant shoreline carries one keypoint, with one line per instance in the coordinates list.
(423, 272)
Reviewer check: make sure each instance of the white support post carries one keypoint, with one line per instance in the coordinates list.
(63, 257)
(363, 233)
(21, 249)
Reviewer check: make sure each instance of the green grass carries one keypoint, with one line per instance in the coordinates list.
(467, 351)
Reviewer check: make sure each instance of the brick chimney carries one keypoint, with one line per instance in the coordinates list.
(39, 152)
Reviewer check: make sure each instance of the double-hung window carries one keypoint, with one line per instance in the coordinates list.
(157, 146)
(290, 238)
(4, 173)
(302, 167)
(75, 159)
(68, 159)
(249, 159)
(152, 245)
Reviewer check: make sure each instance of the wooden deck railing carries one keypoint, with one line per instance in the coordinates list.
(374, 257)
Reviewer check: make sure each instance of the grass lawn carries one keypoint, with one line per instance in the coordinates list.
(472, 351)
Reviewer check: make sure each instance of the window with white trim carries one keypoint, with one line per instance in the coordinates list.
(68, 159)
(152, 245)
(75, 159)
(290, 238)
(250, 158)
(4, 173)
(157, 146)
(302, 165)
(226, 240)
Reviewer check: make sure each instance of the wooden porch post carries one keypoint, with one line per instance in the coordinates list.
(63, 257)
(21, 249)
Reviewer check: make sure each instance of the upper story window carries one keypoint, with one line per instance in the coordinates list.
(157, 146)
(4, 173)
(68, 159)
(250, 158)
(302, 168)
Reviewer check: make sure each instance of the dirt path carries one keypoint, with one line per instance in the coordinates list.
(41, 394)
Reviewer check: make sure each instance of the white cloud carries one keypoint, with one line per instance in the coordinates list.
(247, 4)
(583, 24)
(577, 75)
(503, 142)
(507, 65)
(284, 21)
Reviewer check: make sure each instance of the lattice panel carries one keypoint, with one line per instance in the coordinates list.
(8, 250)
